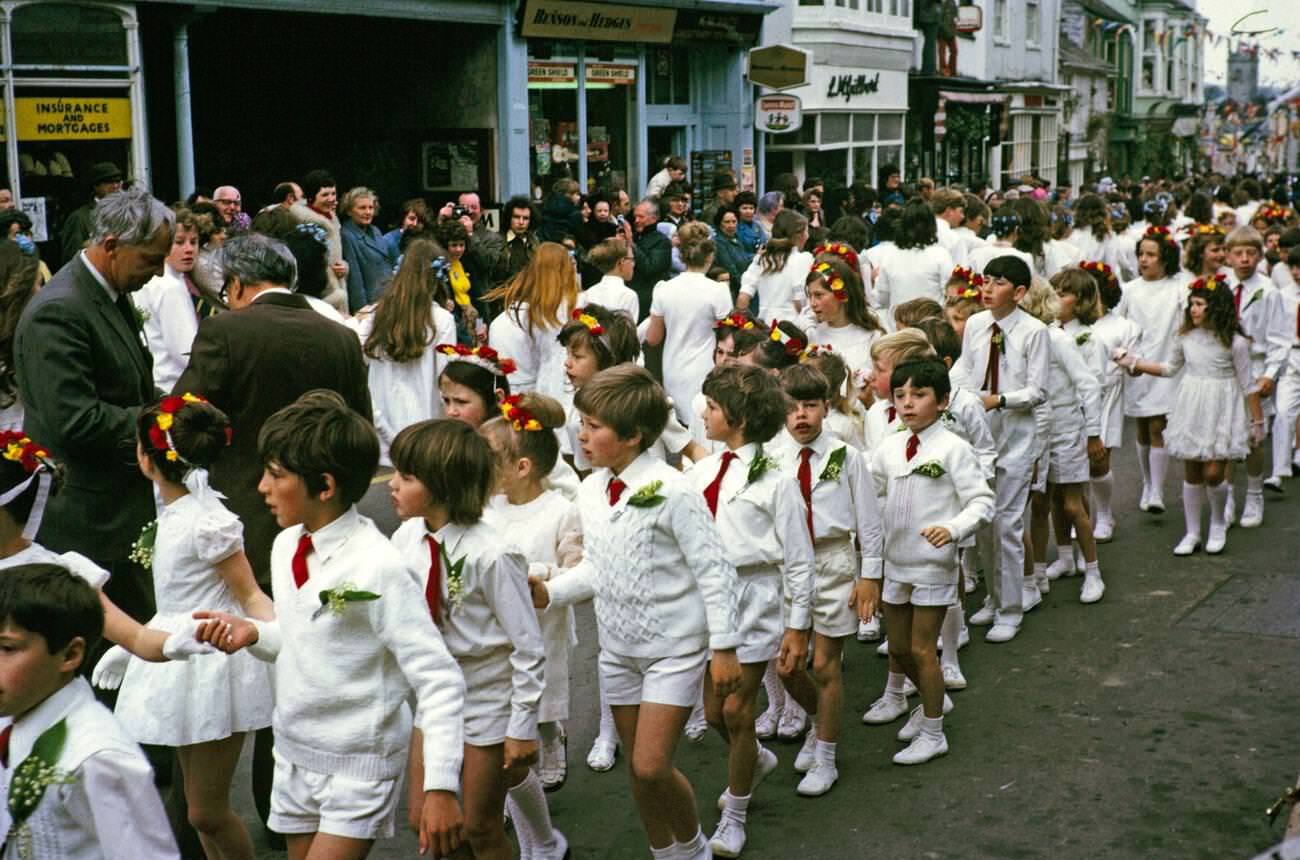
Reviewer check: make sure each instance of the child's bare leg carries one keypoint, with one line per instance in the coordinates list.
(829, 674)
(415, 781)
(483, 783)
(327, 846)
(738, 715)
(899, 619)
(1074, 510)
(208, 770)
(926, 621)
(649, 733)
(1038, 527)
(799, 686)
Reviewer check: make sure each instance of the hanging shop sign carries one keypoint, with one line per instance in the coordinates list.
(848, 88)
(603, 22)
(970, 19)
(778, 114)
(72, 118)
(778, 67)
(566, 73)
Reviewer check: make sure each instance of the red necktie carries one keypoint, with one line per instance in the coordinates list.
(805, 483)
(893, 413)
(433, 586)
(712, 490)
(300, 560)
(995, 350)
(912, 445)
(615, 489)
(4, 744)
(1236, 300)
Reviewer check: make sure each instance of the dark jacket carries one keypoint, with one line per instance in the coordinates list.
(654, 263)
(252, 362)
(516, 252)
(560, 219)
(76, 230)
(731, 255)
(83, 374)
(370, 264)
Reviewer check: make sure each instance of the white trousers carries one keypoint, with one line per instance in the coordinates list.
(1004, 571)
(1287, 398)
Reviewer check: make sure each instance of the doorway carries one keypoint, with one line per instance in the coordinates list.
(663, 141)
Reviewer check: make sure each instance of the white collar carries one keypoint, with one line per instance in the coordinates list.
(32, 724)
(99, 276)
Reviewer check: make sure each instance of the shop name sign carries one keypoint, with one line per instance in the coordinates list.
(566, 19)
(73, 118)
(778, 114)
(565, 73)
(848, 86)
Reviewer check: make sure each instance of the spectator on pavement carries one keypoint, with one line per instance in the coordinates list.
(369, 265)
(104, 179)
(319, 198)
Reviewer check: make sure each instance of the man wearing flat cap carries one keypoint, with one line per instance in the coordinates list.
(724, 196)
(104, 178)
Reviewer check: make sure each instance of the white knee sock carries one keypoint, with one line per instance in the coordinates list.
(1144, 463)
(696, 848)
(531, 815)
(1255, 484)
(1159, 466)
(772, 685)
(894, 685)
(1193, 495)
(1101, 492)
(735, 808)
(951, 632)
(1218, 496)
(608, 732)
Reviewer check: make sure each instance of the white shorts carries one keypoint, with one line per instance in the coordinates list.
(306, 801)
(1068, 458)
(901, 593)
(836, 572)
(761, 625)
(658, 680)
(489, 683)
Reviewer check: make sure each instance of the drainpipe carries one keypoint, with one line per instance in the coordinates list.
(184, 117)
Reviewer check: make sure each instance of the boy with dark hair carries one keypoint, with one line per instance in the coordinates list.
(341, 724)
(98, 800)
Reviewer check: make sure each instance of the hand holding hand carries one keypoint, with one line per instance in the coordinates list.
(1096, 450)
(1264, 385)
(185, 643)
(442, 828)
(866, 598)
(517, 753)
(724, 668)
(227, 632)
(541, 595)
(111, 668)
(794, 651)
(938, 536)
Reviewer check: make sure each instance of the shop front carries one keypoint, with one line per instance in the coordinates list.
(854, 123)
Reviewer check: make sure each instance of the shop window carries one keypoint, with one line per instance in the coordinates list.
(59, 34)
(831, 165)
(835, 128)
(553, 122)
(864, 126)
(864, 170)
(669, 78)
(891, 127)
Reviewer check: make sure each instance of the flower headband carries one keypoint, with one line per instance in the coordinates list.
(1004, 224)
(519, 417)
(481, 356)
(160, 431)
(1273, 213)
(593, 326)
(1159, 234)
(841, 250)
(833, 281)
(1097, 266)
(1219, 280)
(815, 350)
(972, 278)
(18, 447)
(736, 321)
(793, 346)
(1205, 230)
(316, 231)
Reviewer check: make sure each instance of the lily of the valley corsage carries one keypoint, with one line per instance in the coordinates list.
(335, 600)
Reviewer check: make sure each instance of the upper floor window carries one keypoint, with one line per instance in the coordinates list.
(66, 34)
(1150, 76)
(1033, 23)
(1001, 21)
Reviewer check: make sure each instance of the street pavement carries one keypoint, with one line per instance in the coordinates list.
(1158, 723)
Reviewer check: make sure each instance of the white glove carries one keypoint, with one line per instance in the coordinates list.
(182, 645)
(111, 668)
(539, 569)
(1258, 430)
(1124, 358)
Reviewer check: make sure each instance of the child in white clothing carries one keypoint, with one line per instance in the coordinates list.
(616, 262)
(666, 596)
(932, 494)
(763, 525)
(476, 590)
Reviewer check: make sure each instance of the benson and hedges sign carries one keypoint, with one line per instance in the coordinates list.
(566, 19)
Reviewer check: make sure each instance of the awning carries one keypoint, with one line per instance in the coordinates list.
(973, 98)
(1186, 126)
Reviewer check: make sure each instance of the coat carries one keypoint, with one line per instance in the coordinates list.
(370, 265)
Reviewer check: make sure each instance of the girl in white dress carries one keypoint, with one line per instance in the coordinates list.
(778, 272)
(1092, 232)
(1005, 225)
(206, 705)
(846, 417)
(1058, 252)
(1154, 301)
(844, 322)
(1106, 333)
(544, 525)
(682, 314)
(1204, 253)
(1209, 426)
(398, 335)
(537, 304)
(919, 267)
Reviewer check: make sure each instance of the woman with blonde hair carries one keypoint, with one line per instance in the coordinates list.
(778, 272)
(369, 264)
(537, 304)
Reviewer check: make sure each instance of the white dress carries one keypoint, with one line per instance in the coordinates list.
(689, 305)
(1209, 419)
(1092, 249)
(1157, 309)
(1058, 254)
(778, 291)
(211, 696)
(403, 393)
(912, 273)
(538, 355)
(547, 530)
(1107, 334)
(980, 257)
(851, 343)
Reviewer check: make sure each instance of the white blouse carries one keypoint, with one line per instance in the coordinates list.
(913, 273)
(538, 355)
(689, 305)
(780, 294)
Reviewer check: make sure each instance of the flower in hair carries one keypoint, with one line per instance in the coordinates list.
(519, 417)
(815, 350)
(841, 250)
(19, 448)
(160, 435)
(1159, 234)
(734, 320)
(793, 346)
(1208, 283)
(970, 292)
(593, 325)
(481, 356)
(833, 281)
(972, 278)
(313, 230)
(1097, 266)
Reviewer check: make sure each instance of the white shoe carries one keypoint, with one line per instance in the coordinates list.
(985, 615)
(729, 839)
(1252, 515)
(953, 679)
(1103, 530)
(765, 764)
(602, 755)
(909, 689)
(765, 725)
(1093, 588)
(696, 728)
(1230, 509)
(1030, 596)
(969, 583)
(792, 724)
(1042, 583)
(558, 849)
(912, 727)
(884, 710)
(1188, 545)
(1156, 501)
(1217, 540)
(1273, 483)
(1002, 632)
(807, 756)
(922, 748)
(869, 630)
(1144, 504)
(553, 765)
(1063, 566)
(882, 650)
(818, 780)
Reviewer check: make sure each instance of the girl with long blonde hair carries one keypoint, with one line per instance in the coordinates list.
(537, 304)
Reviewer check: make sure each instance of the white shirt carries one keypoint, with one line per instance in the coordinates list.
(1023, 369)
(842, 507)
(342, 681)
(913, 273)
(403, 393)
(170, 324)
(780, 293)
(1107, 334)
(689, 305)
(1092, 249)
(538, 355)
(661, 583)
(968, 240)
(1073, 387)
(979, 257)
(763, 524)
(959, 500)
(1265, 321)
(110, 809)
(965, 417)
(851, 343)
(612, 293)
(949, 240)
(495, 617)
(73, 562)
(1059, 254)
